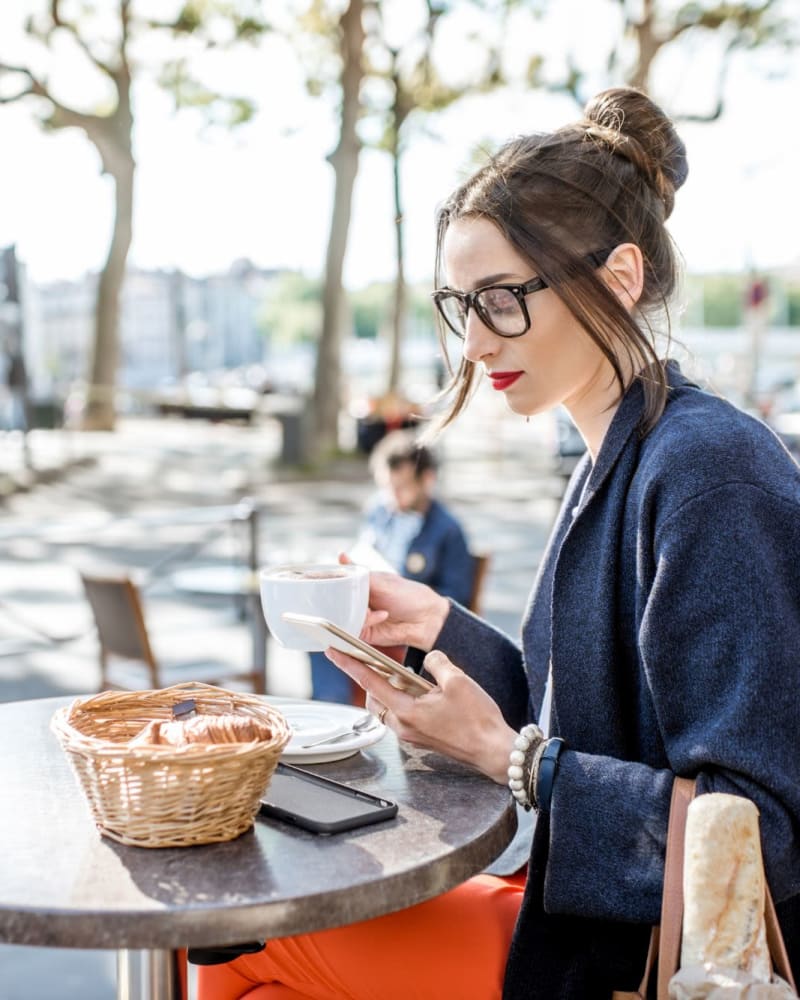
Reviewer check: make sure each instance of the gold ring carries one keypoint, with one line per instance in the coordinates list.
(382, 714)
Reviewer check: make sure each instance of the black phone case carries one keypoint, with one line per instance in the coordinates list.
(381, 809)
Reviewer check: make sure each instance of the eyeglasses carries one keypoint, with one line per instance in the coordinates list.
(500, 307)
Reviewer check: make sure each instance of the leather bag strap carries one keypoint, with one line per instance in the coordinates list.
(665, 941)
(775, 942)
(672, 900)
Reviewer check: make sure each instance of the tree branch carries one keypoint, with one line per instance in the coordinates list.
(678, 30)
(125, 22)
(62, 116)
(35, 87)
(72, 28)
(742, 16)
(719, 106)
(4, 68)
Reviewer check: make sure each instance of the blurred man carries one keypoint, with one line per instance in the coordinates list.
(412, 531)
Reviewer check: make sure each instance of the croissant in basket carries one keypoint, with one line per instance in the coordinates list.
(153, 781)
(227, 728)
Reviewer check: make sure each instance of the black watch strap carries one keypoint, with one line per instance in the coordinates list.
(548, 765)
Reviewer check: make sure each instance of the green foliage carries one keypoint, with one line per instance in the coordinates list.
(793, 305)
(754, 24)
(189, 18)
(292, 312)
(216, 19)
(371, 308)
(189, 92)
(692, 300)
(723, 296)
(719, 300)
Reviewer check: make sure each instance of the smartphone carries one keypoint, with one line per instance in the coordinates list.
(320, 804)
(332, 635)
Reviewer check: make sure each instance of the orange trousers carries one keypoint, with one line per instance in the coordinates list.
(454, 945)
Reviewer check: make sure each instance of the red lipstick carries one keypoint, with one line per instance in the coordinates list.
(503, 380)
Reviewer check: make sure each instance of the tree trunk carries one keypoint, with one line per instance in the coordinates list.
(100, 410)
(326, 401)
(180, 359)
(399, 305)
(648, 47)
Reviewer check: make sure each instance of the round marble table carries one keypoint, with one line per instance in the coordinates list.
(63, 885)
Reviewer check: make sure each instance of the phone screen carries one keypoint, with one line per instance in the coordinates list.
(320, 804)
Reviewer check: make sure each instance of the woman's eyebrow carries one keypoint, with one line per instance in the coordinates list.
(491, 279)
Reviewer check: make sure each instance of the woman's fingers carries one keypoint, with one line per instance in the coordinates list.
(375, 618)
(439, 666)
(367, 678)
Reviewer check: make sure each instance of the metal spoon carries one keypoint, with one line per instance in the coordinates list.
(361, 725)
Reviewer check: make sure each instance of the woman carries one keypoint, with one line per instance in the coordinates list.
(666, 608)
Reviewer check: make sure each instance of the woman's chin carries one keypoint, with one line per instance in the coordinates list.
(518, 406)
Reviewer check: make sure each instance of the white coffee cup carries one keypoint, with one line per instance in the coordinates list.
(339, 593)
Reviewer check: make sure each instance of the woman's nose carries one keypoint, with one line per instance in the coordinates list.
(479, 341)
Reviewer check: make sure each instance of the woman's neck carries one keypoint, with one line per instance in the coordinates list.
(593, 409)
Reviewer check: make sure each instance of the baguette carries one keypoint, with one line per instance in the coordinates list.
(723, 887)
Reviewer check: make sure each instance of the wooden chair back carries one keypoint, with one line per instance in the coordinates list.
(118, 610)
(116, 605)
(482, 561)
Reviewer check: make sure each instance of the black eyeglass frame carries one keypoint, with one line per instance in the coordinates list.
(519, 291)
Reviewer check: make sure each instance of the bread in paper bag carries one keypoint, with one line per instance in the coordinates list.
(723, 886)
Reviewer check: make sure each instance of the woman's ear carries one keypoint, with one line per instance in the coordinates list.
(624, 273)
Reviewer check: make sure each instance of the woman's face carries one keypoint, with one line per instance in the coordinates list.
(555, 361)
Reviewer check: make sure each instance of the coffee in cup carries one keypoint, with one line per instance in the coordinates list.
(339, 593)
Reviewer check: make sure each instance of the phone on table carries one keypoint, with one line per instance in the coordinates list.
(321, 804)
(332, 635)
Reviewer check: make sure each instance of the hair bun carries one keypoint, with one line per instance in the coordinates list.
(635, 127)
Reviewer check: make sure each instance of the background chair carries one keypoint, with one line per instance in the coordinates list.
(482, 560)
(118, 611)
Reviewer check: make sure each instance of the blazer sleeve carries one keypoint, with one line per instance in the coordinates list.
(491, 658)
(719, 642)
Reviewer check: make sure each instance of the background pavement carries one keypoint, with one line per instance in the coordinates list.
(145, 498)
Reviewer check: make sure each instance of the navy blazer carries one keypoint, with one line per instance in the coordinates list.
(438, 555)
(668, 603)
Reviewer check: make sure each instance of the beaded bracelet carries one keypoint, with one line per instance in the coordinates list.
(520, 762)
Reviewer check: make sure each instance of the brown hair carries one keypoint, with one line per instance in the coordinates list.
(401, 448)
(607, 179)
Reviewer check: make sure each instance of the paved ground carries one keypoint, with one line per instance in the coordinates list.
(146, 497)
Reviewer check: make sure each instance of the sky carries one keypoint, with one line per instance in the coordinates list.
(206, 198)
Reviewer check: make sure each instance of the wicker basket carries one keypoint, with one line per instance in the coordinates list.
(164, 796)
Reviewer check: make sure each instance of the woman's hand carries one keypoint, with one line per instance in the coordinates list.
(403, 612)
(457, 718)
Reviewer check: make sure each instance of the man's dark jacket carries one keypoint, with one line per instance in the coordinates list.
(438, 555)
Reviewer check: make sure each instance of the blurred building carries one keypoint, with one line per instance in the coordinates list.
(171, 324)
(13, 373)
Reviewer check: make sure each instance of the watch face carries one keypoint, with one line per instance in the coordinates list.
(415, 563)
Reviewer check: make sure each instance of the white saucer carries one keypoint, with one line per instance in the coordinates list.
(313, 720)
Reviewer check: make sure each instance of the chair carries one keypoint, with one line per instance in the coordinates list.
(118, 611)
(482, 561)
